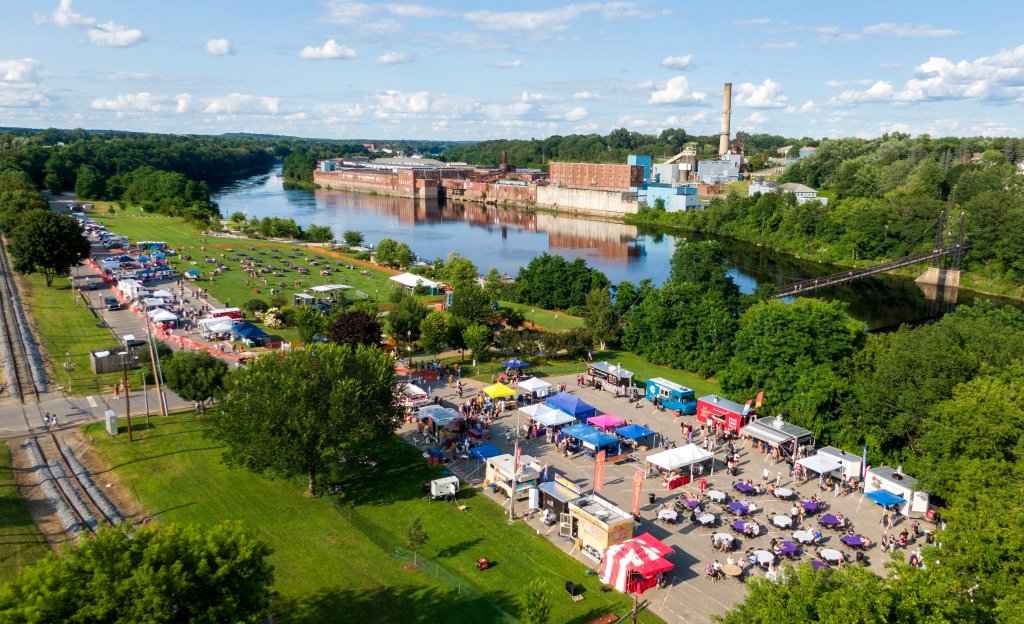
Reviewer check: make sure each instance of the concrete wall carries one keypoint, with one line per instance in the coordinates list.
(585, 200)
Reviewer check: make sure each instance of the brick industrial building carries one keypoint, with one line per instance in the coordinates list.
(597, 175)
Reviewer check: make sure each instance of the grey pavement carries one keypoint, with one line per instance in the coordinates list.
(689, 597)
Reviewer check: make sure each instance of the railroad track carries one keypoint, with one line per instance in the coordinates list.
(70, 487)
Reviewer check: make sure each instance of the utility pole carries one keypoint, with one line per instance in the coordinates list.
(157, 373)
(515, 473)
(127, 393)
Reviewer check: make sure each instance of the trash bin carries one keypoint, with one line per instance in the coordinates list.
(650, 497)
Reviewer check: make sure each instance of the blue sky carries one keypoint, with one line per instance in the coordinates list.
(477, 70)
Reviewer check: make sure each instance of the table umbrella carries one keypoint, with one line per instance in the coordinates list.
(515, 363)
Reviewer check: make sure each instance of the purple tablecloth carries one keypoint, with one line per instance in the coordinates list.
(745, 488)
(692, 503)
(819, 564)
(737, 525)
(853, 540)
(738, 508)
(789, 548)
(809, 507)
(829, 520)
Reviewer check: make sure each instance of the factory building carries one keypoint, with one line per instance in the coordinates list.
(597, 175)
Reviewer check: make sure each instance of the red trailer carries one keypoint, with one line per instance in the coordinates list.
(234, 313)
(714, 410)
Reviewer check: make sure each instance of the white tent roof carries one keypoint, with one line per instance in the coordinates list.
(160, 315)
(153, 302)
(412, 281)
(221, 328)
(819, 464)
(533, 384)
(679, 457)
(547, 416)
(164, 294)
(329, 287)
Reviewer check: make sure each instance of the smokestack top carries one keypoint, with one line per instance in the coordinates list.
(723, 139)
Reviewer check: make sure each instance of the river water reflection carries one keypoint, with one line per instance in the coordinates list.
(507, 239)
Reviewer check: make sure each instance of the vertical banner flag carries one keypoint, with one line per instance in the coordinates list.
(864, 465)
(544, 474)
(760, 397)
(746, 407)
(519, 453)
(638, 486)
(599, 472)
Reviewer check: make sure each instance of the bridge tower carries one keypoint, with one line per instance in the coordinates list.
(941, 284)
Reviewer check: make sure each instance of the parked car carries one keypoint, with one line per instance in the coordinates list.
(111, 303)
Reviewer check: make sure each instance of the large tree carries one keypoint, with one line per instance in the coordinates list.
(354, 328)
(470, 304)
(294, 414)
(194, 375)
(601, 320)
(458, 271)
(552, 282)
(161, 574)
(435, 330)
(405, 317)
(48, 243)
(478, 340)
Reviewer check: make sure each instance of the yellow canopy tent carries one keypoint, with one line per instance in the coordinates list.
(499, 391)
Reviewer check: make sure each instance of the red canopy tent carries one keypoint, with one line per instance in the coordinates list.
(633, 565)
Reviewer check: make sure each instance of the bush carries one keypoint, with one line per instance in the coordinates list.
(363, 255)
(253, 306)
(575, 311)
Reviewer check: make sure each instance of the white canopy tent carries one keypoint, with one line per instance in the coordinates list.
(410, 280)
(547, 416)
(160, 315)
(326, 288)
(209, 323)
(163, 294)
(221, 328)
(537, 386)
(684, 456)
(820, 464)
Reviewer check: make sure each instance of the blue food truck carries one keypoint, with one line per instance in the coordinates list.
(671, 395)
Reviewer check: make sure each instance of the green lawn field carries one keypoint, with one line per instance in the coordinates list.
(327, 569)
(21, 543)
(545, 319)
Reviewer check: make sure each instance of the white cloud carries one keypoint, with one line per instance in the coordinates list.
(516, 64)
(832, 33)
(879, 91)
(346, 12)
(677, 62)
(757, 117)
(142, 102)
(501, 111)
(768, 94)
(780, 45)
(576, 114)
(19, 70)
(238, 103)
(533, 97)
(399, 102)
(183, 103)
(113, 35)
(809, 107)
(676, 90)
(908, 30)
(219, 47)
(395, 58)
(849, 83)
(550, 21)
(686, 120)
(415, 10)
(585, 95)
(65, 17)
(331, 49)
(757, 21)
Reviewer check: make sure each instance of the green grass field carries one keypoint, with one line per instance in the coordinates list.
(545, 319)
(326, 569)
(21, 543)
(64, 328)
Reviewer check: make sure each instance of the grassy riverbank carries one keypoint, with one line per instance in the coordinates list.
(328, 557)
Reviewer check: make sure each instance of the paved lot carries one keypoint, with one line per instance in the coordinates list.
(689, 597)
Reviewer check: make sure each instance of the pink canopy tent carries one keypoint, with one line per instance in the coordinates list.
(604, 422)
(633, 566)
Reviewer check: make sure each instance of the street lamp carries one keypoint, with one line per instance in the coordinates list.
(68, 366)
(533, 317)
(556, 322)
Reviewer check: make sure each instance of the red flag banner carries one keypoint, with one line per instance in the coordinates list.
(760, 397)
(599, 472)
(519, 453)
(638, 486)
(746, 407)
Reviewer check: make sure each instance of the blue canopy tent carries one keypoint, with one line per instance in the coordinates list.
(885, 498)
(592, 438)
(124, 259)
(571, 405)
(515, 363)
(159, 256)
(192, 272)
(642, 435)
(248, 331)
(144, 258)
(484, 451)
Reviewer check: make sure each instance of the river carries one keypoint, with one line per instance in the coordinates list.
(505, 238)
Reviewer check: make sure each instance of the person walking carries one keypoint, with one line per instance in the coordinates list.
(117, 391)
(765, 475)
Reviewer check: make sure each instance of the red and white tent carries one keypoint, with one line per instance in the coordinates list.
(633, 565)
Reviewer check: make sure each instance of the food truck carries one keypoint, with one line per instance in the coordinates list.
(671, 395)
(611, 377)
(556, 495)
(902, 490)
(714, 410)
(234, 313)
(414, 397)
(500, 471)
(442, 423)
(595, 523)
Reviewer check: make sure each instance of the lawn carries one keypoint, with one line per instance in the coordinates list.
(326, 569)
(545, 319)
(21, 543)
(62, 327)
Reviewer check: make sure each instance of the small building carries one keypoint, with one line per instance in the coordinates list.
(596, 523)
(718, 171)
(791, 440)
(327, 293)
(641, 161)
(500, 471)
(715, 411)
(677, 198)
(108, 360)
(852, 464)
(597, 175)
(803, 193)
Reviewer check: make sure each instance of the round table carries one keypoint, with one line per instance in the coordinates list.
(732, 570)
(706, 519)
(721, 537)
(738, 508)
(764, 557)
(831, 555)
(783, 522)
(668, 514)
(829, 521)
(789, 548)
(692, 503)
(804, 537)
(716, 495)
(783, 492)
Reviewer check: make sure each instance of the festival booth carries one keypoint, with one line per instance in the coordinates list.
(546, 417)
(681, 465)
(641, 438)
(515, 364)
(326, 293)
(671, 395)
(594, 441)
(555, 495)
(442, 423)
(411, 281)
(604, 422)
(500, 471)
(538, 388)
(150, 303)
(571, 405)
(164, 318)
(852, 464)
(596, 523)
(130, 288)
(210, 326)
(912, 503)
(499, 391)
(163, 294)
(612, 377)
(777, 433)
(634, 565)
(822, 465)
(716, 411)
(250, 334)
(484, 451)
(233, 313)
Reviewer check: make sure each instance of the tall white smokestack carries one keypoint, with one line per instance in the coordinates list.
(723, 140)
